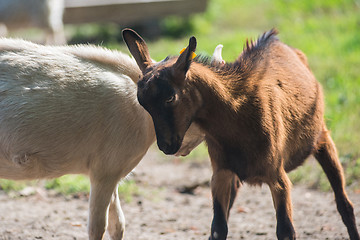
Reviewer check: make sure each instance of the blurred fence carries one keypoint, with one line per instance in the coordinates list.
(128, 11)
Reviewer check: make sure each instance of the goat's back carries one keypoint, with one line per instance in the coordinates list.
(292, 103)
(60, 113)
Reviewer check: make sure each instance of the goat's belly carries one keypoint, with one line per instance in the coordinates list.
(30, 166)
(298, 158)
(300, 148)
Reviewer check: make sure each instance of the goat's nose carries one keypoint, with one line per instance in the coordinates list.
(168, 147)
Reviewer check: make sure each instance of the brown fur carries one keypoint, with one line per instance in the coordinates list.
(262, 116)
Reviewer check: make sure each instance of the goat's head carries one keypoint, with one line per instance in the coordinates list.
(162, 91)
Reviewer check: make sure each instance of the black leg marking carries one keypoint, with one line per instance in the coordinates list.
(219, 228)
(284, 229)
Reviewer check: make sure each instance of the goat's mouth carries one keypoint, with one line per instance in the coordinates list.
(169, 148)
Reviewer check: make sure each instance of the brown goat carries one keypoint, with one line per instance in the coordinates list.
(262, 117)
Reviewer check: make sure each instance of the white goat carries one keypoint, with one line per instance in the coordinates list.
(73, 110)
(44, 14)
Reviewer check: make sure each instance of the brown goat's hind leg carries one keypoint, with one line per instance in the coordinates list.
(326, 155)
(223, 191)
(280, 191)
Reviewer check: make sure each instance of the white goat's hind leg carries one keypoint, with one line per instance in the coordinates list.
(116, 227)
(55, 37)
(3, 30)
(100, 197)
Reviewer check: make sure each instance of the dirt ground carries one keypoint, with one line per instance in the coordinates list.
(160, 211)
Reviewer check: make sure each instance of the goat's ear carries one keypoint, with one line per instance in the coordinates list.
(184, 60)
(137, 47)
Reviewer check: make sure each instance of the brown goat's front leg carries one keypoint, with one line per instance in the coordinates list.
(224, 185)
(280, 190)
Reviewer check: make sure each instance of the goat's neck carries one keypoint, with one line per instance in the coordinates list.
(222, 101)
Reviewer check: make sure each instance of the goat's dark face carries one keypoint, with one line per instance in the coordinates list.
(161, 92)
(161, 100)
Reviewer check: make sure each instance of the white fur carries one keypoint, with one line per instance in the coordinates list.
(74, 110)
(44, 14)
(216, 57)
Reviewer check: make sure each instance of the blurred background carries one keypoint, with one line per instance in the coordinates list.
(327, 31)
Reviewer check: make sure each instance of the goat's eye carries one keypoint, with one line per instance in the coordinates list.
(170, 99)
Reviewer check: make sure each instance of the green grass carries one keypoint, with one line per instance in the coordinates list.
(127, 189)
(9, 185)
(326, 31)
(69, 184)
